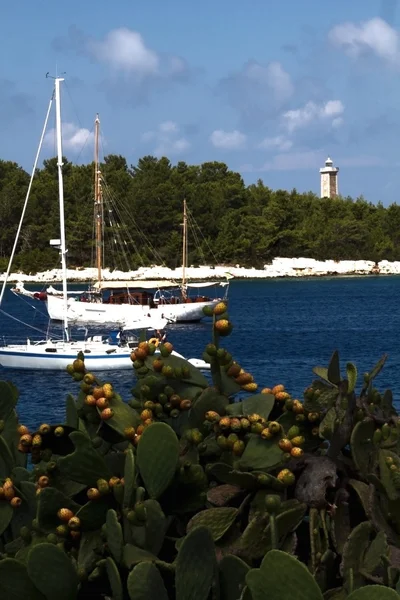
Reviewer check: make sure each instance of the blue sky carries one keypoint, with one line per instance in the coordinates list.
(270, 88)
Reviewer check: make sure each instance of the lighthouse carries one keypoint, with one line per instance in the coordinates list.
(329, 180)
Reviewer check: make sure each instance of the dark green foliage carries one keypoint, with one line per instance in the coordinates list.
(266, 497)
(247, 225)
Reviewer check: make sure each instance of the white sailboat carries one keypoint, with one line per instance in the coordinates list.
(119, 301)
(101, 351)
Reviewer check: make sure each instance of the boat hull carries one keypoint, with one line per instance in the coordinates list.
(15, 358)
(93, 312)
(56, 357)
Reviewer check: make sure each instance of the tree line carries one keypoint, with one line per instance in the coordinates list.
(142, 221)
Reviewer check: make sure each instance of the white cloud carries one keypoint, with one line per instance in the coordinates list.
(169, 127)
(278, 142)
(228, 140)
(74, 137)
(272, 76)
(374, 35)
(124, 49)
(167, 139)
(311, 112)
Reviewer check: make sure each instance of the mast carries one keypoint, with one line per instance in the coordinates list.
(98, 200)
(63, 250)
(184, 249)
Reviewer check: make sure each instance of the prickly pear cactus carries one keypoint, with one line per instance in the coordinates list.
(198, 489)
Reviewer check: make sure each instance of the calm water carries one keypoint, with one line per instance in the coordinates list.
(282, 328)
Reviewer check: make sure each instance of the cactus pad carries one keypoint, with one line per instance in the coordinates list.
(217, 520)
(232, 571)
(15, 583)
(52, 572)
(145, 583)
(284, 577)
(373, 592)
(157, 458)
(115, 538)
(84, 465)
(260, 454)
(195, 566)
(115, 579)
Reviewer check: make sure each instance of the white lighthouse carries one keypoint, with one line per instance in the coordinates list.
(329, 180)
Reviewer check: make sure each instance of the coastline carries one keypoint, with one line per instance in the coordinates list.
(279, 267)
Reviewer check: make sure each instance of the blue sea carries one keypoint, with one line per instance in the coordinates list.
(282, 329)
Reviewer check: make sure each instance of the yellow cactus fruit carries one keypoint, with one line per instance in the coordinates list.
(278, 388)
(285, 445)
(298, 440)
(250, 387)
(220, 308)
(266, 434)
(296, 452)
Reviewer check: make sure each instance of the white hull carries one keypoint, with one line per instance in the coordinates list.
(55, 356)
(94, 312)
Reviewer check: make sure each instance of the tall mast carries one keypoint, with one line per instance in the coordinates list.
(184, 249)
(63, 250)
(98, 201)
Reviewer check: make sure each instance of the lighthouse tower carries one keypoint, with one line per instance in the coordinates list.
(329, 180)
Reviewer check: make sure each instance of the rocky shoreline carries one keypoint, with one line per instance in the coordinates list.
(279, 267)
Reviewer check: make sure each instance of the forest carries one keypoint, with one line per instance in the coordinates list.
(229, 222)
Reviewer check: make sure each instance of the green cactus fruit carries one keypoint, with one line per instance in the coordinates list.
(238, 447)
(59, 580)
(208, 311)
(140, 511)
(377, 437)
(157, 457)
(222, 442)
(294, 431)
(25, 534)
(196, 437)
(145, 583)
(385, 431)
(195, 565)
(272, 503)
(169, 391)
(264, 480)
(232, 439)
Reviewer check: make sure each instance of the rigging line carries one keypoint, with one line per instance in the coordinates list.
(77, 157)
(20, 321)
(27, 302)
(3, 289)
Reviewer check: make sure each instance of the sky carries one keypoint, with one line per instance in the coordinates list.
(270, 88)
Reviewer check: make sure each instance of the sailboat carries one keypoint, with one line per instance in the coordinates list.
(101, 352)
(120, 302)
